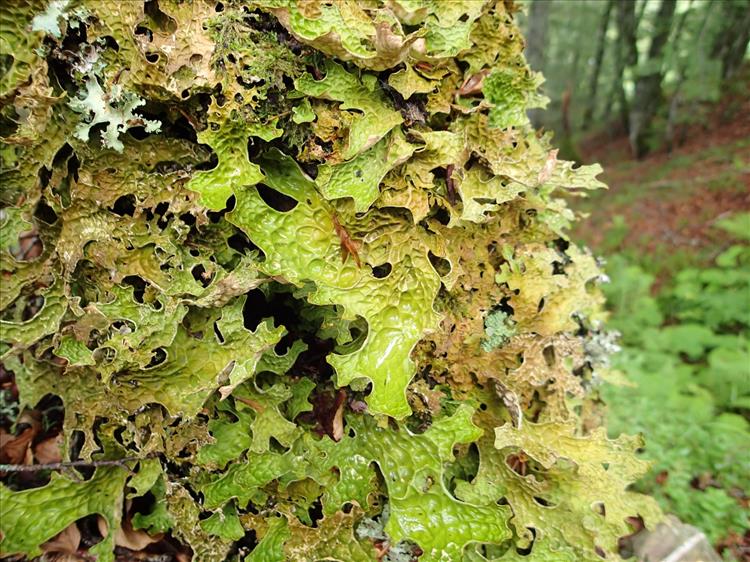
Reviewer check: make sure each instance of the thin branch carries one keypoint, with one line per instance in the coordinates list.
(70, 464)
(450, 184)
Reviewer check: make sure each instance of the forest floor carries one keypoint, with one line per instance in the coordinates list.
(659, 211)
(662, 216)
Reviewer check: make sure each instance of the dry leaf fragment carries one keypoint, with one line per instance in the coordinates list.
(348, 246)
(328, 409)
(128, 537)
(65, 542)
(254, 404)
(49, 450)
(473, 84)
(16, 449)
(549, 167)
(337, 424)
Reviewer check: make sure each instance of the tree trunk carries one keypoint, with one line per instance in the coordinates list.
(629, 28)
(731, 42)
(600, 47)
(648, 86)
(536, 41)
(641, 11)
(682, 67)
(626, 54)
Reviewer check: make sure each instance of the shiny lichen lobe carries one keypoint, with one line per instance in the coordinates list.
(306, 266)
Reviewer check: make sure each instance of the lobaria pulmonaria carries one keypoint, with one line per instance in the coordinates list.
(303, 265)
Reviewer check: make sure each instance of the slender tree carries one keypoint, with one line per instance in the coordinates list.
(730, 43)
(641, 11)
(536, 42)
(601, 44)
(629, 29)
(683, 63)
(626, 55)
(648, 85)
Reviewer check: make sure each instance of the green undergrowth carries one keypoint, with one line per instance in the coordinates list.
(687, 351)
(303, 269)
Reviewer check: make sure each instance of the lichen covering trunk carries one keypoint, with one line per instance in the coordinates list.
(308, 262)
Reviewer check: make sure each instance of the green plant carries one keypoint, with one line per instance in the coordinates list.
(692, 380)
(256, 249)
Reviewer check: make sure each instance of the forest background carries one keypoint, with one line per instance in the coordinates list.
(657, 91)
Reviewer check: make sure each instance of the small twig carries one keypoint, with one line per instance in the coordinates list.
(70, 464)
(257, 406)
(348, 246)
(450, 184)
(189, 118)
(279, 115)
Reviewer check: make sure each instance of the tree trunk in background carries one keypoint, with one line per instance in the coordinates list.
(641, 11)
(600, 47)
(648, 86)
(629, 29)
(626, 54)
(568, 149)
(732, 40)
(536, 41)
(682, 66)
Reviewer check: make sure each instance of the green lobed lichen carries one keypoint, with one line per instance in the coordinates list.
(309, 262)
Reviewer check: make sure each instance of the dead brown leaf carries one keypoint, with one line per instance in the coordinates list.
(66, 542)
(29, 247)
(16, 449)
(549, 166)
(49, 450)
(473, 85)
(128, 537)
(328, 409)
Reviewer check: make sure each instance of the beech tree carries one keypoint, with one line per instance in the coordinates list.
(649, 66)
(601, 43)
(730, 43)
(648, 93)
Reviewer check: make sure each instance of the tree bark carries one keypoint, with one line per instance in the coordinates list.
(626, 55)
(641, 11)
(536, 41)
(629, 29)
(731, 42)
(648, 92)
(682, 66)
(600, 48)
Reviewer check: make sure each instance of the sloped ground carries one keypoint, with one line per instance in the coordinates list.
(659, 211)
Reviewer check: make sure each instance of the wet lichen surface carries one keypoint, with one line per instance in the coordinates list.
(305, 265)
